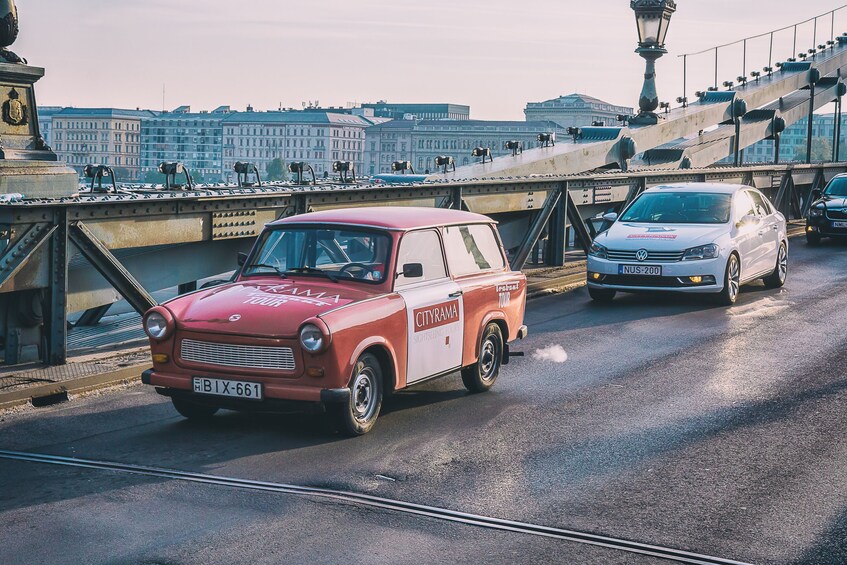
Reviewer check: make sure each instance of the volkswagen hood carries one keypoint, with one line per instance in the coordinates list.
(628, 236)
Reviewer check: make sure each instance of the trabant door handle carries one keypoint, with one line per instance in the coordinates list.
(456, 294)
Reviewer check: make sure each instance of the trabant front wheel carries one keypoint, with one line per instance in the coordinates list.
(358, 415)
(481, 376)
(193, 411)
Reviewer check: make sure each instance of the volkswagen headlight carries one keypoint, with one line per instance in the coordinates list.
(156, 325)
(312, 338)
(598, 251)
(710, 251)
(816, 212)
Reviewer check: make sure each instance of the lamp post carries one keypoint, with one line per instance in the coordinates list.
(653, 18)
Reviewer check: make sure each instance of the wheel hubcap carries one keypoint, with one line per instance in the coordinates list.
(363, 394)
(734, 277)
(488, 359)
(783, 264)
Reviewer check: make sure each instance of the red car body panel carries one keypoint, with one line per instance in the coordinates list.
(268, 311)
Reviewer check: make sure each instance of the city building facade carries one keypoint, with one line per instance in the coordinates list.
(194, 139)
(45, 122)
(576, 110)
(104, 136)
(318, 138)
(792, 143)
(419, 111)
(420, 141)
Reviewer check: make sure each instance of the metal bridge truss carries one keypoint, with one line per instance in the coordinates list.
(760, 109)
(83, 254)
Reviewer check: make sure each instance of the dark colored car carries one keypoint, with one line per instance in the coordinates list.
(827, 215)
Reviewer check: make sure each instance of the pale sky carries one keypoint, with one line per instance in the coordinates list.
(494, 55)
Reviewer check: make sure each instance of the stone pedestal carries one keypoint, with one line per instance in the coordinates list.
(27, 165)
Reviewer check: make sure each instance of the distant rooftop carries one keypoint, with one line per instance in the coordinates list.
(576, 100)
(104, 112)
(296, 117)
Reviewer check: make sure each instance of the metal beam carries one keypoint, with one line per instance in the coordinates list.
(578, 224)
(536, 228)
(54, 349)
(17, 255)
(111, 269)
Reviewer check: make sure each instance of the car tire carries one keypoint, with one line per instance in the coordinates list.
(482, 375)
(601, 294)
(359, 414)
(813, 238)
(192, 410)
(731, 282)
(780, 272)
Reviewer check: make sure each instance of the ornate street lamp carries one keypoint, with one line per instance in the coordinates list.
(653, 18)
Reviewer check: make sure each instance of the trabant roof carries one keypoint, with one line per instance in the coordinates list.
(715, 187)
(401, 218)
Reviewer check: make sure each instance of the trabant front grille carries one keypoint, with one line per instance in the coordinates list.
(654, 256)
(247, 356)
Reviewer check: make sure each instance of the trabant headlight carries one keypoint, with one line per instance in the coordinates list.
(312, 338)
(710, 251)
(156, 325)
(598, 251)
(816, 212)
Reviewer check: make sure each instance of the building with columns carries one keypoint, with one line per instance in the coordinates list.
(576, 110)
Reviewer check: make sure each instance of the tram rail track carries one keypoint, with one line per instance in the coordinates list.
(443, 514)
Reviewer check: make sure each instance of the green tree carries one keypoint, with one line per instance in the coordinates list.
(277, 170)
(821, 150)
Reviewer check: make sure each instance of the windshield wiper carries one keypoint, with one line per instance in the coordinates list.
(313, 271)
(265, 266)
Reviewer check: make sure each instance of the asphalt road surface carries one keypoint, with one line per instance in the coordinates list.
(672, 422)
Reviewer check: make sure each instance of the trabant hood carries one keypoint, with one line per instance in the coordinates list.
(626, 236)
(263, 307)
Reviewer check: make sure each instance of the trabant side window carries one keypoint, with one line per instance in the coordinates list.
(422, 247)
(472, 249)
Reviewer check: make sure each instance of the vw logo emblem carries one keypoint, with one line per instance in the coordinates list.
(235, 317)
(642, 255)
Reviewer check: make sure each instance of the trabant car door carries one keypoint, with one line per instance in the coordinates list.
(476, 262)
(434, 307)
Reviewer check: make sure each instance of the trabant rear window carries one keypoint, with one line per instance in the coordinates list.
(472, 249)
(680, 208)
(335, 252)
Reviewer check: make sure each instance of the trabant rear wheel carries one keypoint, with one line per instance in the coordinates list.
(192, 410)
(731, 282)
(358, 415)
(601, 294)
(481, 376)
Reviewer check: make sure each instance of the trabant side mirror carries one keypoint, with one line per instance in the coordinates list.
(747, 220)
(611, 217)
(242, 259)
(413, 270)
(816, 194)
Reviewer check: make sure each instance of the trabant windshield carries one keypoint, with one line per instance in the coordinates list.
(680, 208)
(837, 188)
(322, 251)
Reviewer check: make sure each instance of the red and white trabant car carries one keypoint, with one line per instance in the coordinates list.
(340, 308)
